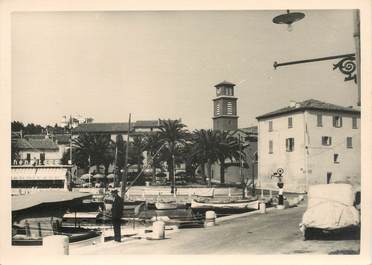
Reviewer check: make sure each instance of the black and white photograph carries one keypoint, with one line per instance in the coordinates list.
(187, 132)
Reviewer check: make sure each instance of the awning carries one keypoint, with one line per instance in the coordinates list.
(30, 200)
(39, 173)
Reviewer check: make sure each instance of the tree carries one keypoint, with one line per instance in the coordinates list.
(14, 150)
(17, 126)
(99, 149)
(206, 148)
(152, 145)
(138, 147)
(174, 135)
(228, 147)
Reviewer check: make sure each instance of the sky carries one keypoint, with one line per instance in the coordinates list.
(164, 64)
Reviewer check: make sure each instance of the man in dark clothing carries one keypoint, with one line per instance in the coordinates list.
(116, 214)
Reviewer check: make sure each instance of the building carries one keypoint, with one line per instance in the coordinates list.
(224, 107)
(37, 151)
(26, 178)
(313, 142)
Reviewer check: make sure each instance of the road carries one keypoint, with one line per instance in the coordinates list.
(275, 232)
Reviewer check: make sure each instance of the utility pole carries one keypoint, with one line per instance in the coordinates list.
(124, 178)
(241, 168)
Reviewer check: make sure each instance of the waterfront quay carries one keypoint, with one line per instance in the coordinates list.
(275, 232)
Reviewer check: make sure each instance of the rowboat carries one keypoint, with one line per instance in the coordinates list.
(166, 205)
(226, 205)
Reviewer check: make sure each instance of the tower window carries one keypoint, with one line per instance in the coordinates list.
(218, 91)
(289, 144)
(337, 121)
(326, 140)
(229, 108)
(218, 109)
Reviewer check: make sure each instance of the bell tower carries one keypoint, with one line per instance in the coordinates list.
(224, 107)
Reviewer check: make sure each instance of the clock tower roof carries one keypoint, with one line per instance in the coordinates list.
(225, 83)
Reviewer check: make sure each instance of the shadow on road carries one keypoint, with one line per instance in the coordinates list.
(344, 234)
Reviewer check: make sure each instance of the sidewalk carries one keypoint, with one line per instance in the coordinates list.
(275, 232)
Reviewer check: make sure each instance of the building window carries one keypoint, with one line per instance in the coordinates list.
(349, 142)
(337, 121)
(229, 108)
(28, 157)
(355, 123)
(270, 146)
(336, 159)
(290, 122)
(289, 144)
(218, 109)
(270, 126)
(326, 140)
(319, 120)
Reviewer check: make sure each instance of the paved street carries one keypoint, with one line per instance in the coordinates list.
(276, 232)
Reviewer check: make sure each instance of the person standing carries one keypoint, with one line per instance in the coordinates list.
(116, 214)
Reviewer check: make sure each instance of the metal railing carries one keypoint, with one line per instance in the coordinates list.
(36, 162)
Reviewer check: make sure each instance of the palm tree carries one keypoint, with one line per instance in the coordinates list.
(99, 149)
(228, 148)
(206, 147)
(152, 145)
(138, 147)
(174, 135)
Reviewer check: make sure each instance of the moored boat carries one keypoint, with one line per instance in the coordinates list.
(252, 204)
(166, 205)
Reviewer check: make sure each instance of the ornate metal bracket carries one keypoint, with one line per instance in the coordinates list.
(347, 66)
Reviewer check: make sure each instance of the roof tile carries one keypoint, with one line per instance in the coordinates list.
(310, 104)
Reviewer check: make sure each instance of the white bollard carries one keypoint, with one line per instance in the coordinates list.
(158, 230)
(56, 245)
(103, 234)
(210, 218)
(262, 206)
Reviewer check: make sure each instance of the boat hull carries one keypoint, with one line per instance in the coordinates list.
(166, 205)
(225, 207)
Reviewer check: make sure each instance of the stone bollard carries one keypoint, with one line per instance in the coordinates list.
(210, 218)
(103, 234)
(158, 230)
(262, 207)
(56, 245)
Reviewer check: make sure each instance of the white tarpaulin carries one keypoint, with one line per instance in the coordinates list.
(330, 206)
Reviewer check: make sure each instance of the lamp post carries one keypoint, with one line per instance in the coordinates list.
(346, 65)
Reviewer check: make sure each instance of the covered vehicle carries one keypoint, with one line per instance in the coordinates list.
(331, 207)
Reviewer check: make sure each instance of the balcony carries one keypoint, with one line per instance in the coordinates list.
(36, 162)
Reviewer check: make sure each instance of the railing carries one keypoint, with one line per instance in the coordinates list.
(36, 162)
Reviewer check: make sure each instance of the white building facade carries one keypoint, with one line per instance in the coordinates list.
(313, 142)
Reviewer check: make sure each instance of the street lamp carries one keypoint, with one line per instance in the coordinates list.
(346, 65)
(289, 19)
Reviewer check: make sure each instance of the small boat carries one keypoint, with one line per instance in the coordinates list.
(166, 205)
(226, 205)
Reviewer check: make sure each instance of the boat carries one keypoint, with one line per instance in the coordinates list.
(40, 214)
(166, 205)
(225, 206)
